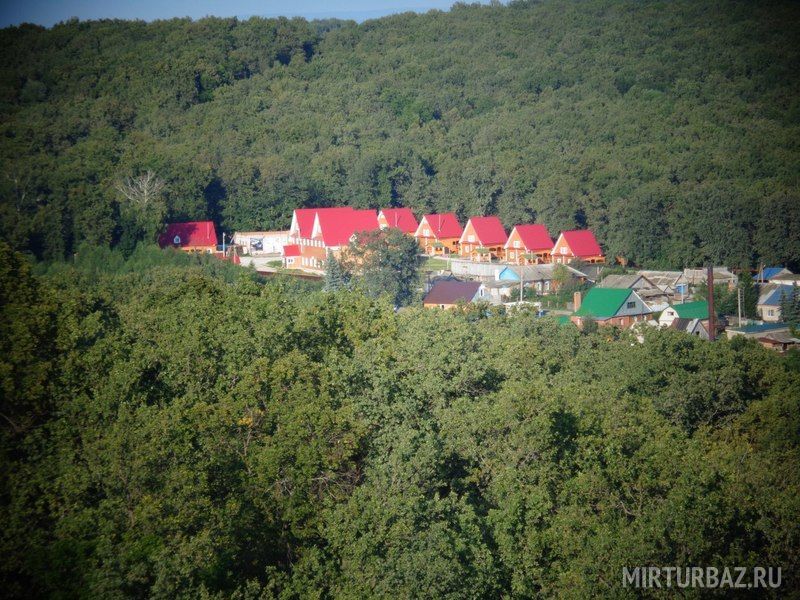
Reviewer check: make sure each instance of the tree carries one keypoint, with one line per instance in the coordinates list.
(749, 294)
(385, 262)
(336, 277)
(142, 204)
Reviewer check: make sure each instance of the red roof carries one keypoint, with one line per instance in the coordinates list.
(337, 225)
(194, 233)
(401, 218)
(304, 218)
(291, 250)
(582, 242)
(488, 230)
(444, 225)
(450, 292)
(535, 237)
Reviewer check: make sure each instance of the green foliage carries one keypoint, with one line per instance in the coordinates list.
(170, 432)
(336, 277)
(384, 262)
(553, 111)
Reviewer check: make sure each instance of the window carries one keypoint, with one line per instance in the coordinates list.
(426, 232)
(631, 305)
(771, 313)
(516, 243)
(470, 238)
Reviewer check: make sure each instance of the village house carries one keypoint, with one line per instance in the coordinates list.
(609, 306)
(769, 301)
(399, 218)
(756, 330)
(259, 243)
(687, 310)
(672, 283)
(766, 274)
(315, 231)
(577, 244)
(654, 297)
(438, 234)
(483, 239)
(696, 327)
(722, 276)
(194, 236)
(448, 294)
(780, 341)
(528, 244)
(538, 277)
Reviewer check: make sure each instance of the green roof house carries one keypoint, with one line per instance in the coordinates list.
(610, 306)
(687, 310)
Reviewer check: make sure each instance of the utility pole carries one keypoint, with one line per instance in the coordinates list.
(712, 316)
(739, 301)
(223, 243)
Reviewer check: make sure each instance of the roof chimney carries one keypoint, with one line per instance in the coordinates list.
(576, 301)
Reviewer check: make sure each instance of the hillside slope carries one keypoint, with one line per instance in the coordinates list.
(671, 128)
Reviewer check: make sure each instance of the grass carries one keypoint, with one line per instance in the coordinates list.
(434, 264)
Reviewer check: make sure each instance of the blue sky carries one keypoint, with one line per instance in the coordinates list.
(49, 12)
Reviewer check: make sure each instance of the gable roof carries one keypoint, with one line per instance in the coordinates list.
(768, 273)
(774, 299)
(303, 221)
(534, 236)
(532, 273)
(688, 325)
(400, 218)
(452, 291)
(622, 281)
(488, 230)
(582, 242)
(337, 225)
(692, 310)
(444, 225)
(192, 233)
(602, 303)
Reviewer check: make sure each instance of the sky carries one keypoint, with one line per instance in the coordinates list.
(50, 12)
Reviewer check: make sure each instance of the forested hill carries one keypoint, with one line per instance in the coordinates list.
(671, 128)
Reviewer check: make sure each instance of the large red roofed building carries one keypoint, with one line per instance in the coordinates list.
(484, 238)
(529, 245)
(399, 218)
(577, 244)
(438, 233)
(315, 231)
(194, 236)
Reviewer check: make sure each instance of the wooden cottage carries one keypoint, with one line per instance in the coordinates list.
(194, 236)
(483, 239)
(399, 218)
(528, 245)
(577, 244)
(438, 234)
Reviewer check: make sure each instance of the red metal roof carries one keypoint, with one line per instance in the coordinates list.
(193, 233)
(450, 292)
(444, 225)
(535, 237)
(582, 242)
(291, 250)
(337, 225)
(305, 220)
(488, 230)
(400, 218)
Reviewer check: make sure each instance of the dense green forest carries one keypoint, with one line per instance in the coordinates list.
(176, 428)
(670, 128)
